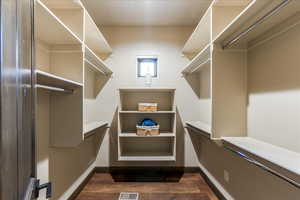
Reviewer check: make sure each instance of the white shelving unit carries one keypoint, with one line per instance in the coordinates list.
(246, 55)
(68, 71)
(132, 147)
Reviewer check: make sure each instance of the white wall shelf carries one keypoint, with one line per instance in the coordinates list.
(51, 30)
(96, 61)
(44, 78)
(94, 39)
(282, 161)
(201, 59)
(201, 37)
(89, 128)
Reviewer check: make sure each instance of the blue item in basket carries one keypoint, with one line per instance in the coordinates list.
(147, 122)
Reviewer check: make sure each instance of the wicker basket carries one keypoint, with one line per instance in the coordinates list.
(147, 130)
(148, 107)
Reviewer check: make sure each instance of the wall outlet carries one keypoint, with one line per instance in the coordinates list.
(226, 176)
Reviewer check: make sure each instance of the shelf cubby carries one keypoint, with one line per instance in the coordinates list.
(147, 149)
(131, 97)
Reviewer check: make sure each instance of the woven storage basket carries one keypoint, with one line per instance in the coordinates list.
(147, 130)
(147, 107)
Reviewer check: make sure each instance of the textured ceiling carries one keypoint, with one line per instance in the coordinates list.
(146, 12)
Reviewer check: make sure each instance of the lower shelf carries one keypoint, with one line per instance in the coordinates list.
(147, 158)
(149, 136)
(89, 128)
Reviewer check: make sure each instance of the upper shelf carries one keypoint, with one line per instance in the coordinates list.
(92, 59)
(253, 14)
(201, 36)
(94, 38)
(282, 161)
(50, 29)
(202, 59)
(47, 79)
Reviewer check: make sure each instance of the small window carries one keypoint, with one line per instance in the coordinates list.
(146, 65)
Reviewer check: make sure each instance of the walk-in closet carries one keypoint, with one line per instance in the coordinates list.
(150, 100)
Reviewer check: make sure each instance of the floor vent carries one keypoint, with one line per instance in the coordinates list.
(129, 196)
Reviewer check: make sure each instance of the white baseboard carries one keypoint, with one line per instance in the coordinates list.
(216, 183)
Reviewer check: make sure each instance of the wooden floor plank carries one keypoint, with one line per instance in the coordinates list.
(190, 187)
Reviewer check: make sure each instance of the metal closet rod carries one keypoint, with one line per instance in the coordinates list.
(268, 169)
(253, 26)
(56, 89)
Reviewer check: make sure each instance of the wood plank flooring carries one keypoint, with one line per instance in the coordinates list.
(190, 187)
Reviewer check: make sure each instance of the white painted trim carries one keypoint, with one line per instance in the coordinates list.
(77, 183)
(216, 183)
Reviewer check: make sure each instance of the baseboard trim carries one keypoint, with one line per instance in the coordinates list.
(77, 191)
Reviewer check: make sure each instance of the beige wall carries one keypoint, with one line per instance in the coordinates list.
(164, 42)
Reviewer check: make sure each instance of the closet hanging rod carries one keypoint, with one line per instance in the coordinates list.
(56, 89)
(253, 26)
(268, 169)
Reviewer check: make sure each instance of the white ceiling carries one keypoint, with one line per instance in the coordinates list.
(146, 12)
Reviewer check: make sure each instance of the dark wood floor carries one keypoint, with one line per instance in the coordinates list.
(190, 187)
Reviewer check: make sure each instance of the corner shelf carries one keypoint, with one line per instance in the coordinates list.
(51, 30)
